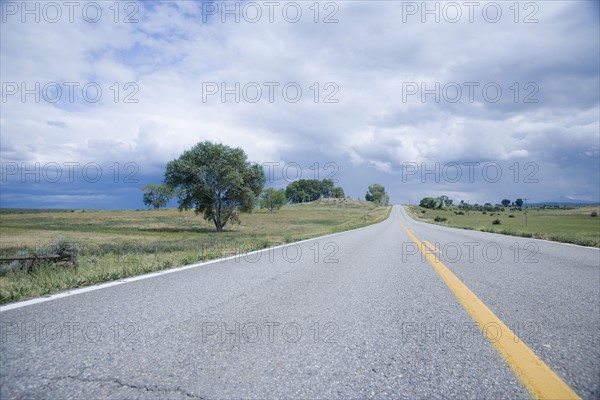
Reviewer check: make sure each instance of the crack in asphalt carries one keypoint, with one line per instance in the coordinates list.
(154, 389)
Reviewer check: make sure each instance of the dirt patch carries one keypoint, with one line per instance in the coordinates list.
(347, 202)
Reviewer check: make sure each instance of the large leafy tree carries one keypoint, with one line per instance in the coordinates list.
(157, 196)
(215, 180)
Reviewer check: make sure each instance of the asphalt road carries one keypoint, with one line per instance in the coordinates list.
(362, 314)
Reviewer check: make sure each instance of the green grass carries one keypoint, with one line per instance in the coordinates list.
(572, 225)
(119, 244)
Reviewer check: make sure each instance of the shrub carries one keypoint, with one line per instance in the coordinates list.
(440, 219)
(594, 214)
(511, 216)
(496, 222)
(459, 213)
(263, 244)
(60, 246)
(423, 211)
(288, 239)
(16, 265)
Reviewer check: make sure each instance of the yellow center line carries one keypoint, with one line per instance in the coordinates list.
(431, 247)
(536, 376)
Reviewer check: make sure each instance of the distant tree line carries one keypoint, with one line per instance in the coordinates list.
(445, 201)
(305, 190)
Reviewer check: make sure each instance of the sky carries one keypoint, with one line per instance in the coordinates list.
(479, 101)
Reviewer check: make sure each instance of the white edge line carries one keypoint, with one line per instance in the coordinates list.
(92, 288)
(501, 234)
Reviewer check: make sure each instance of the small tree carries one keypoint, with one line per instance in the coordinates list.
(431, 202)
(446, 201)
(215, 180)
(157, 196)
(326, 188)
(272, 199)
(505, 202)
(338, 193)
(377, 195)
(519, 202)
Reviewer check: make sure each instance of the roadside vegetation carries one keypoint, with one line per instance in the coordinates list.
(55, 251)
(578, 225)
(117, 244)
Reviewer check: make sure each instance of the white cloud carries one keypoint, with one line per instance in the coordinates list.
(369, 56)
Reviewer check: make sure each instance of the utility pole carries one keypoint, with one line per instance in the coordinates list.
(525, 200)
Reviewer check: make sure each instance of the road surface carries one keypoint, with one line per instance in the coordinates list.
(362, 314)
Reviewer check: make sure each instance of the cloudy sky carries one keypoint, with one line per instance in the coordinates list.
(479, 101)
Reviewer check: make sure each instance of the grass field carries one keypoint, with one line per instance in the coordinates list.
(118, 244)
(571, 225)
